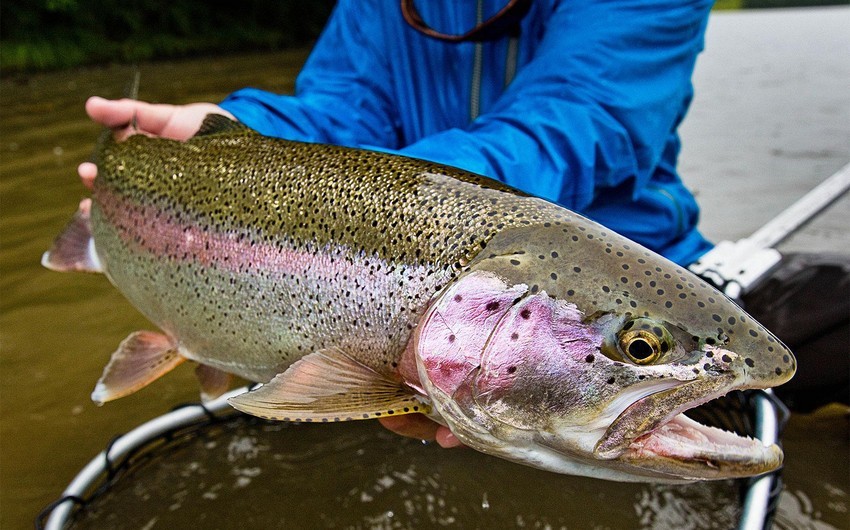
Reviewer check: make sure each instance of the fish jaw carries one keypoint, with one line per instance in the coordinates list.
(535, 388)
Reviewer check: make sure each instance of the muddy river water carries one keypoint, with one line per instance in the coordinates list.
(770, 121)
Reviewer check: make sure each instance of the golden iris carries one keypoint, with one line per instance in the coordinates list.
(643, 341)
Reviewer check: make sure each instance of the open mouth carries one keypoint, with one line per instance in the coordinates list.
(654, 433)
(711, 450)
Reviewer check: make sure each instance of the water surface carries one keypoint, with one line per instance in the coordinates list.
(59, 329)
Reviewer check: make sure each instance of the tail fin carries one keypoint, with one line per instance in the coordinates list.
(73, 249)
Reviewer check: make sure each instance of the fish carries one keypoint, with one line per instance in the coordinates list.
(355, 284)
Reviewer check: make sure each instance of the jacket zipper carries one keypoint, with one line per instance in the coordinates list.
(477, 68)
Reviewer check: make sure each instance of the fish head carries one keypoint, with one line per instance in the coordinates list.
(573, 349)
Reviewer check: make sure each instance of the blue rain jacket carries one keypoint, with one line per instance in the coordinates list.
(581, 109)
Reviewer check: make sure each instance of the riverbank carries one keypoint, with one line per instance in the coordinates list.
(56, 34)
(771, 119)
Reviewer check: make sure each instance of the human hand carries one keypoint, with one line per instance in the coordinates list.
(419, 426)
(177, 122)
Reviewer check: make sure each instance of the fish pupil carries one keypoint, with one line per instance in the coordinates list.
(640, 349)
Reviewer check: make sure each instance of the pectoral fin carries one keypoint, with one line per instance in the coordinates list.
(73, 249)
(329, 385)
(141, 359)
(213, 382)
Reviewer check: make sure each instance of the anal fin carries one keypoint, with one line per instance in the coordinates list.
(329, 385)
(73, 249)
(213, 381)
(142, 358)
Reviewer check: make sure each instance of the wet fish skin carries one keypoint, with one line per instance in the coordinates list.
(371, 237)
(323, 271)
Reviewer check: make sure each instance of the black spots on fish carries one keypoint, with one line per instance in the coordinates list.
(590, 358)
(620, 254)
(625, 266)
(606, 289)
(786, 359)
(657, 332)
(638, 284)
(701, 304)
(778, 371)
(534, 289)
(570, 292)
(682, 296)
(554, 276)
(515, 262)
(514, 336)
(628, 325)
(525, 314)
(492, 306)
(659, 292)
(731, 321)
(716, 317)
(668, 304)
(452, 338)
(725, 358)
(753, 333)
(458, 298)
(611, 380)
(749, 362)
(576, 269)
(624, 280)
(511, 369)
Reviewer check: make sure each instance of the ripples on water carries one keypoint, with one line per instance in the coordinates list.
(58, 330)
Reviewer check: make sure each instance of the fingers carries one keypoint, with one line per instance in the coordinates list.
(447, 439)
(87, 172)
(411, 425)
(420, 427)
(119, 113)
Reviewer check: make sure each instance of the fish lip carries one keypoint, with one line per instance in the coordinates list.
(686, 448)
(641, 417)
(678, 446)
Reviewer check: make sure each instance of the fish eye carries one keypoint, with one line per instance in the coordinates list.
(643, 341)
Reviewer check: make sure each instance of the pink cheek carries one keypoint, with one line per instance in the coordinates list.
(455, 330)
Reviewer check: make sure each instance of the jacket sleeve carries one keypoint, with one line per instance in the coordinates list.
(341, 93)
(594, 107)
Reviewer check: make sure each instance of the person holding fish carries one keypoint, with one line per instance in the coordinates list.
(576, 102)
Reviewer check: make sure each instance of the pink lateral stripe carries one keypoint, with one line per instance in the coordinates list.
(146, 229)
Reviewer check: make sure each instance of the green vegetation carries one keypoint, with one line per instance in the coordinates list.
(48, 34)
(754, 4)
(722, 5)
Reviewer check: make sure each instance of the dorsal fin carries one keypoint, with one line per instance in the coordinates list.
(218, 123)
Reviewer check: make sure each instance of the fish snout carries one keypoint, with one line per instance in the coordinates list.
(765, 362)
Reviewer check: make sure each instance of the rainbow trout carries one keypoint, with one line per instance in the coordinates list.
(356, 284)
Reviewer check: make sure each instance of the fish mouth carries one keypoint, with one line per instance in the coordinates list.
(672, 444)
(689, 449)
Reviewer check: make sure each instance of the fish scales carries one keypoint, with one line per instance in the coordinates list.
(286, 247)
(356, 284)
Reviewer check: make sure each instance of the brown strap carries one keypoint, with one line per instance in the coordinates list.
(505, 21)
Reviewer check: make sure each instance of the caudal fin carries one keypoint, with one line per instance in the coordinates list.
(73, 249)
